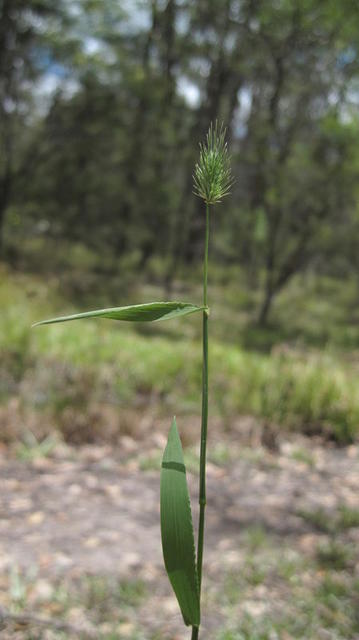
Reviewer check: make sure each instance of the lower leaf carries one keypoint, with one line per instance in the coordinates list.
(177, 530)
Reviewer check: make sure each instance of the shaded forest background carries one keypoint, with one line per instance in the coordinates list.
(103, 104)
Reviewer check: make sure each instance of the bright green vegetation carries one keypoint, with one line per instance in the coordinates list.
(76, 364)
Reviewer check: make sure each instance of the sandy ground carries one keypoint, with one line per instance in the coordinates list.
(94, 511)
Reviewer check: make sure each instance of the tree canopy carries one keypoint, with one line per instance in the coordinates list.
(107, 155)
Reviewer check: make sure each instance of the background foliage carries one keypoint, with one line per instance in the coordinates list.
(103, 105)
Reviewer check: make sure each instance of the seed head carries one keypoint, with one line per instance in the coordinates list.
(212, 174)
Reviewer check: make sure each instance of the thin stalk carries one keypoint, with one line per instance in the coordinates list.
(204, 422)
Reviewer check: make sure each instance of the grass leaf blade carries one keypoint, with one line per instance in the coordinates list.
(148, 312)
(177, 530)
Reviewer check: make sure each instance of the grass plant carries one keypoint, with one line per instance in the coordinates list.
(212, 182)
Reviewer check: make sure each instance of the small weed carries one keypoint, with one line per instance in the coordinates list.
(131, 592)
(252, 455)
(18, 589)
(220, 454)
(338, 605)
(319, 519)
(289, 568)
(332, 522)
(150, 462)
(255, 537)
(254, 573)
(32, 449)
(251, 629)
(237, 582)
(302, 455)
(333, 588)
(348, 517)
(107, 596)
(334, 555)
(232, 588)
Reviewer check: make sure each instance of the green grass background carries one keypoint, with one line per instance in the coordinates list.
(300, 373)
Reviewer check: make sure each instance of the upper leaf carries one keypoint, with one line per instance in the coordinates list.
(149, 312)
(177, 530)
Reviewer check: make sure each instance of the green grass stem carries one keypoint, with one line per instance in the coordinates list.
(204, 423)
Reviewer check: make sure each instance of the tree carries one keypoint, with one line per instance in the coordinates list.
(114, 142)
(123, 140)
(289, 152)
(24, 45)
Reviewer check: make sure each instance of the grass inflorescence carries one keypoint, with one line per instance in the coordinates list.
(212, 175)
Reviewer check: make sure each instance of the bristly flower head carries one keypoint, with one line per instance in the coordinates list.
(212, 174)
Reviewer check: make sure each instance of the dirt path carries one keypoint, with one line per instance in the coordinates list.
(88, 511)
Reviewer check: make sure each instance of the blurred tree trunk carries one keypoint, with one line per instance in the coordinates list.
(136, 136)
(21, 31)
(7, 44)
(166, 36)
(266, 306)
(5, 183)
(152, 124)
